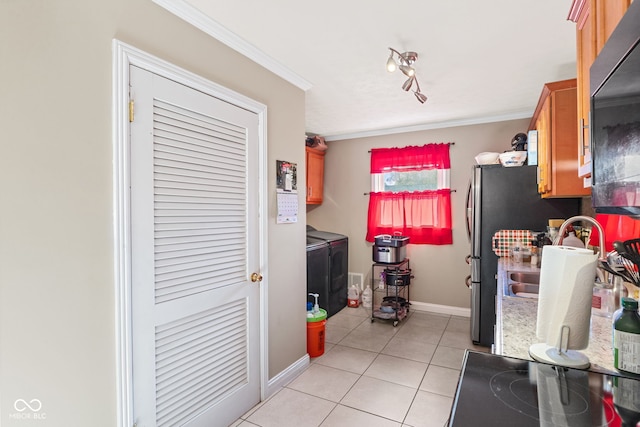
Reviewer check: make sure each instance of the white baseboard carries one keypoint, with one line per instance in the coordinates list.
(440, 309)
(287, 375)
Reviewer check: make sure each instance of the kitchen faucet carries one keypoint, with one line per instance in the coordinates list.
(560, 237)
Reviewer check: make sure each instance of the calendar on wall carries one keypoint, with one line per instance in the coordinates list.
(286, 192)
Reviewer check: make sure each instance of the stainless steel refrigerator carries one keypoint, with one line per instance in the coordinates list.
(501, 198)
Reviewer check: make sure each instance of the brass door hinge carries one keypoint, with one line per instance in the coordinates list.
(131, 110)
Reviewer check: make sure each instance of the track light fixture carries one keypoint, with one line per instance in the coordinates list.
(404, 62)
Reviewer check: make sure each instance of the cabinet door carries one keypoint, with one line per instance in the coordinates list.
(564, 182)
(608, 14)
(595, 22)
(315, 176)
(544, 147)
(554, 119)
(586, 45)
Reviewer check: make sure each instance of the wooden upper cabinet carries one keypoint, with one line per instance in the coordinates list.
(608, 14)
(544, 155)
(315, 176)
(595, 21)
(554, 119)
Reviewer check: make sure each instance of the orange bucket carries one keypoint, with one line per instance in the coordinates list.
(315, 333)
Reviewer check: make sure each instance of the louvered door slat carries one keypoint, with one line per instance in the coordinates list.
(167, 173)
(166, 258)
(209, 123)
(195, 284)
(186, 147)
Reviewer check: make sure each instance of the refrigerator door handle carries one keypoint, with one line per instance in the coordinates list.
(467, 281)
(475, 269)
(475, 204)
(469, 212)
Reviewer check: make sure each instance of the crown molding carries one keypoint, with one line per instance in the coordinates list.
(195, 17)
(430, 126)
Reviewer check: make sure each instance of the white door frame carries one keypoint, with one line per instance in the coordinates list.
(123, 56)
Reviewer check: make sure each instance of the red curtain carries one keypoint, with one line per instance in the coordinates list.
(615, 227)
(412, 158)
(423, 216)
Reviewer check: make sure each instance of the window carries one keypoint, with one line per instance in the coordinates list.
(410, 194)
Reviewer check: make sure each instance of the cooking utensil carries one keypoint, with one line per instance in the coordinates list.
(632, 248)
(613, 260)
(620, 273)
(630, 267)
(619, 247)
(630, 262)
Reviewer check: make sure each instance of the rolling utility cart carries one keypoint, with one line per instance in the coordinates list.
(390, 283)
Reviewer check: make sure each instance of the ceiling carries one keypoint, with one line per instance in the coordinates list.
(478, 61)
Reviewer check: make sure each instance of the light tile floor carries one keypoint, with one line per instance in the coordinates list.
(374, 374)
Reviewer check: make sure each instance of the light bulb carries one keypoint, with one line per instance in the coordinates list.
(407, 70)
(391, 64)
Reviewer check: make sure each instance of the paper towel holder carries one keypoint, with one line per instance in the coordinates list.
(560, 354)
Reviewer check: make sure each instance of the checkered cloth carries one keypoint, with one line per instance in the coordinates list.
(504, 240)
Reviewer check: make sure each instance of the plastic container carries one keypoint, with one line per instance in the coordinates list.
(517, 252)
(573, 241)
(316, 327)
(367, 297)
(603, 301)
(353, 297)
(626, 337)
(513, 158)
(487, 158)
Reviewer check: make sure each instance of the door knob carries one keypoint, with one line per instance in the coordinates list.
(256, 277)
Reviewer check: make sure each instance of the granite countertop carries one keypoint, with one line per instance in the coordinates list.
(516, 325)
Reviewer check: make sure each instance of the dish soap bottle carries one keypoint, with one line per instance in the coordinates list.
(626, 337)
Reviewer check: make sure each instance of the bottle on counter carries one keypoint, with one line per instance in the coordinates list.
(543, 240)
(516, 250)
(570, 239)
(534, 253)
(626, 337)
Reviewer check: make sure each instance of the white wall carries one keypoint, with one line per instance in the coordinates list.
(57, 312)
(439, 271)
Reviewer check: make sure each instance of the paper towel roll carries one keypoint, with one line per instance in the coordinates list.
(567, 275)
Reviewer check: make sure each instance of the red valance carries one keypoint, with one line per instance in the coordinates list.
(412, 158)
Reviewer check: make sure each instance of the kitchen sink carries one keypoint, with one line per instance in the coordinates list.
(523, 284)
(525, 277)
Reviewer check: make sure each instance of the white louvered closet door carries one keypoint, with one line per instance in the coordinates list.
(194, 204)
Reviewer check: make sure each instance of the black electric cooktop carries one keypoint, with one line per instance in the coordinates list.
(504, 391)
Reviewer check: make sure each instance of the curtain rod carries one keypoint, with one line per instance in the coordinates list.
(448, 143)
(452, 191)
